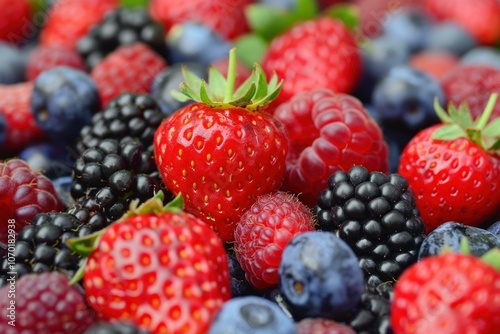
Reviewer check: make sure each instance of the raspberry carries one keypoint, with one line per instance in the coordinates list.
(328, 132)
(23, 194)
(263, 232)
(45, 303)
(44, 58)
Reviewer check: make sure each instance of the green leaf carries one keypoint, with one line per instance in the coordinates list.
(250, 49)
(245, 98)
(188, 91)
(245, 86)
(449, 132)
(261, 89)
(483, 119)
(492, 257)
(134, 3)
(461, 116)
(175, 205)
(267, 21)
(475, 136)
(495, 146)
(193, 81)
(181, 97)
(493, 128)
(346, 13)
(441, 113)
(85, 245)
(217, 83)
(464, 246)
(204, 94)
(271, 96)
(305, 10)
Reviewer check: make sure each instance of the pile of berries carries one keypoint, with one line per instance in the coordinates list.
(250, 166)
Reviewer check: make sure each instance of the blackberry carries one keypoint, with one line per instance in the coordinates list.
(115, 328)
(107, 177)
(127, 116)
(377, 216)
(41, 246)
(120, 27)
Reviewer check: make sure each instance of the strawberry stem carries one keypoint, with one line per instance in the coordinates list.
(231, 76)
(485, 116)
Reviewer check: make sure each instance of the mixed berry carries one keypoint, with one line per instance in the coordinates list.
(250, 166)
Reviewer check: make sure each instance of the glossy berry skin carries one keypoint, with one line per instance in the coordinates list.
(322, 326)
(450, 293)
(12, 65)
(16, 21)
(449, 36)
(452, 180)
(295, 57)
(45, 303)
(221, 160)
(63, 101)
(119, 327)
(53, 160)
(159, 271)
(44, 58)
(328, 132)
(408, 26)
(264, 231)
(251, 314)
(130, 68)
(320, 276)
(23, 194)
(482, 55)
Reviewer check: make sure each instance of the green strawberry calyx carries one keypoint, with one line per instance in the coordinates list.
(85, 245)
(459, 123)
(491, 257)
(219, 92)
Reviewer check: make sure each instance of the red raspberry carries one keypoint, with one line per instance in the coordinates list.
(130, 68)
(263, 232)
(44, 303)
(328, 132)
(23, 194)
(44, 58)
(322, 326)
(21, 128)
(313, 54)
(16, 21)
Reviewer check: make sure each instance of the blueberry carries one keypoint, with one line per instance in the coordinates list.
(52, 159)
(320, 276)
(64, 100)
(407, 95)
(239, 285)
(495, 229)
(169, 80)
(450, 233)
(449, 36)
(482, 55)
(3, 129)
(251, 314)
(12, 64)
(409, 26)
(287, 5)
(197, 43)
(63, 185)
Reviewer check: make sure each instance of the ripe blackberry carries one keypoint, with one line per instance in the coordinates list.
(376, 215)
(120, 27)
(127, 116)
(115, 328)
(107, 177)
(41, 246)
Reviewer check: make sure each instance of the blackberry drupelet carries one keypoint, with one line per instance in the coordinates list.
(127, 116)
(107, 177)
(377, 216)
(115, 328)
(41, 245)
(120, 27)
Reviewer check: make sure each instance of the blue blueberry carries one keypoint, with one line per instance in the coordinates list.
(52, 159)
(379, 55)
(495, 229)
(12, 64)
(482, 55)
(449, 36)
(409, 26)
(287, 5)
(170, 79)
(3, 129)
(239, 284)
(63, 188)
(251, 314)
(196, 43)
(320, 276)
(64, 100)
(397, 140)
(450, 233)
(406, 95)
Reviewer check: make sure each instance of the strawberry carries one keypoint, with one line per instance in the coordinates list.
(69, 20)
(226, 17)
(16, 21)
(224, 150)
(313, 54)
(263, 232)
(158, 267)
(448, 293)
(480, 18)
(21, 128)
(130, 68)
(453, 168)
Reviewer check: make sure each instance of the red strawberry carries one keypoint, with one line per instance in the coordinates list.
(263, 232)
(226, 17)
(21, 128)
(328, 132)
(24, 193)
(224, 150)
(322, 326)
(130, 68)
(314, 54)
(480, 18)
(157, 267)
(16, 21)
(44, 58)
(453, 168)
(69, 20)
(473, 84)
(447, 294)
(435, 63)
